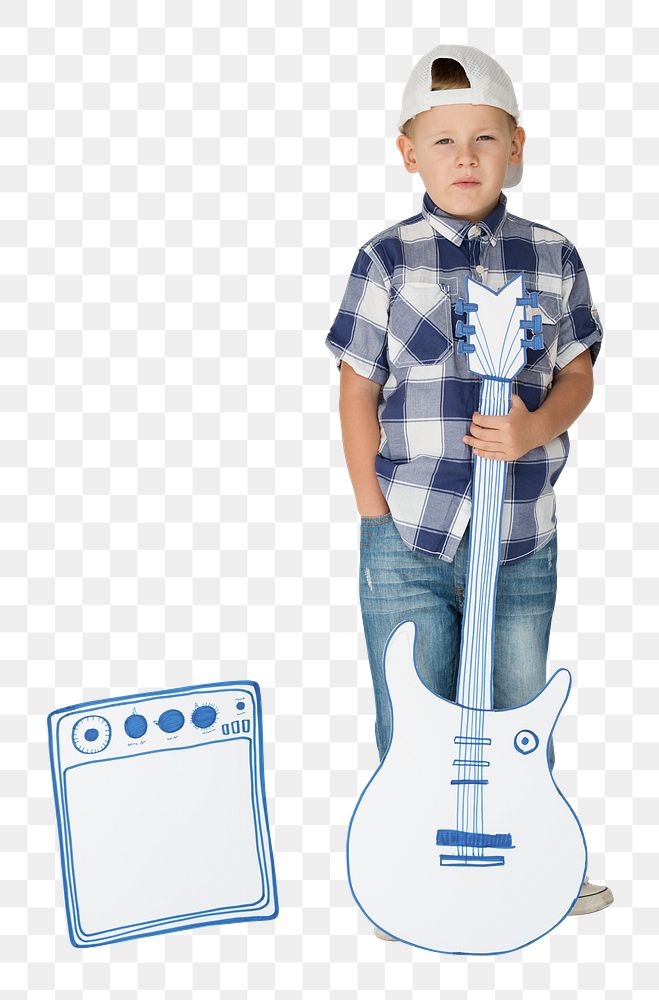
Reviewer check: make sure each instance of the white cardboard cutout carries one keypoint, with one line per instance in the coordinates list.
(161, 812)
(462, 842)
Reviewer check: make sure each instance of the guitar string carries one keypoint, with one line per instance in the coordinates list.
(488, 362)
(485, 619)
(512, 345)
(470, 691)
(500, 394)
(486, 622)
(488, 482)
(472, 696)
(475, 609)
(484, 344)
(464, 696)
(483, 616)
(478, 596)
(495, 468)
(485, 481)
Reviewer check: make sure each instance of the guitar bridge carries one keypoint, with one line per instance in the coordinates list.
(478, 841)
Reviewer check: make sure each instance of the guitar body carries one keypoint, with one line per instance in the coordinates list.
(394, 866)
(461, 842)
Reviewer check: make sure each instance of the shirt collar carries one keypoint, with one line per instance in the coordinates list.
(456, 229)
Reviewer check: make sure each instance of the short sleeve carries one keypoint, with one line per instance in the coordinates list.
(358, 334)
(580, 326)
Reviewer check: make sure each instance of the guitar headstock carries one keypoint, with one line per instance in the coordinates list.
(492, 340)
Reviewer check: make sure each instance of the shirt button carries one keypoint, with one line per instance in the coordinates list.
(480, 269)
(474, 231)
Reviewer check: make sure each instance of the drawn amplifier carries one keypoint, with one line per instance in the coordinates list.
(161, 812)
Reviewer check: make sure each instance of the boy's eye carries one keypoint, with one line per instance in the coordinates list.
(448, 140)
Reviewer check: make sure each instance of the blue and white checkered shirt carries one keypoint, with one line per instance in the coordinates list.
(395, 325)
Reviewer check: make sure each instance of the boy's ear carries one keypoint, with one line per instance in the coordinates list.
(519, 138)
(406, 149)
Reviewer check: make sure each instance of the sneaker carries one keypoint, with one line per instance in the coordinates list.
(591, 898)
(379, 933)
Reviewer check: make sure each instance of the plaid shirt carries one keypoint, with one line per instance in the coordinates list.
(395, 325)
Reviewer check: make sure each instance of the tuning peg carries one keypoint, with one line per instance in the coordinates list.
(530, 299)
(462, 307)
(534, 324)
(534, 343)
(464, 347)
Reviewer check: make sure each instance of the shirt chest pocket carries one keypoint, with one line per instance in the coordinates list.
(550, 310)
(420, 331)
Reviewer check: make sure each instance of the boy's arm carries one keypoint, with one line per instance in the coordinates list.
(570, 394)
(360, 429)
(520, 430)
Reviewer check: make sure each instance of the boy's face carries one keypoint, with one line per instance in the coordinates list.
(455, 141)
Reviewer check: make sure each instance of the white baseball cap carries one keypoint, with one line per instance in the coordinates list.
(490, 84)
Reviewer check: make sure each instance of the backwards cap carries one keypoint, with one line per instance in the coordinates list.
(490, 84)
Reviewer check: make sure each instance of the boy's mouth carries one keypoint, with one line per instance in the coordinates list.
(466, 182)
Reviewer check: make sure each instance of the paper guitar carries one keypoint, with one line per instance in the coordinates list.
(462, 842)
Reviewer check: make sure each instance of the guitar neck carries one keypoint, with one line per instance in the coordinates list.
(474, 685)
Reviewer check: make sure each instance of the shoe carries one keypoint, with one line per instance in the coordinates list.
(379, 933)
(591, 898)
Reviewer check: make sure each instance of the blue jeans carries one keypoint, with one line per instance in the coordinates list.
(397, 583)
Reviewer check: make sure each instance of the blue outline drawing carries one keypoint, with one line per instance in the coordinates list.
(496, 356)
(138, 736)
(487, 712)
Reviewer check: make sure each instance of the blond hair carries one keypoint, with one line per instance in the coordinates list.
(448, 74)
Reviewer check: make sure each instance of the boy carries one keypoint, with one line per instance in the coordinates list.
(408, 403)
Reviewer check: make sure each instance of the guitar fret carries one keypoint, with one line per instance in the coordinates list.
(470, 781)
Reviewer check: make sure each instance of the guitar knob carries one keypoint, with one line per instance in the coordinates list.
(464, 347)
(526, 741)
(460, 307)
(536, 343)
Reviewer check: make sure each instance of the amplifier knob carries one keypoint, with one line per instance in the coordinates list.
(204, 716)
(91, 734)
(171, 720)
(135, 726)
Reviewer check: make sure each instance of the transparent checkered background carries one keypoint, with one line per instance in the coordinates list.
(181, 199)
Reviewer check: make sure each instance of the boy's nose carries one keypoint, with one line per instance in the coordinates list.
(466, 157)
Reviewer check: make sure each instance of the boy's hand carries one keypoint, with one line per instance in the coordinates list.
(506, 437)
